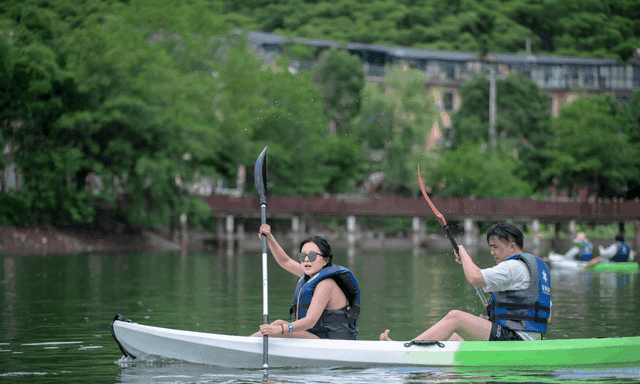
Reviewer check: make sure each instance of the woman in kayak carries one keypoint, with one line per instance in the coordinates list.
(326, 302)
(520, 288)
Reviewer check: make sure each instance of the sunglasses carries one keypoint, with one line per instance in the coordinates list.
(311, 256)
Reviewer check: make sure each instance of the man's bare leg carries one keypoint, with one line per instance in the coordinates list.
(458, 325)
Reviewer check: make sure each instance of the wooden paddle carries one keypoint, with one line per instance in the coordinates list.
(260, 178)
(445, 227)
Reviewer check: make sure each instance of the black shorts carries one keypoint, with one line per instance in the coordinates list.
(500, 333)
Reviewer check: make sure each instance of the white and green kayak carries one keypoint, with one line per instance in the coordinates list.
(560, 262)
(143, 341)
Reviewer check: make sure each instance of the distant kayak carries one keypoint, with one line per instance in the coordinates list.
(559, 261)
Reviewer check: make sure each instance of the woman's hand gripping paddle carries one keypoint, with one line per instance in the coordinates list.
(260, 178)
(445, 227)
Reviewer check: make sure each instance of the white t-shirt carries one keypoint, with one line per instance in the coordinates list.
(509, 275)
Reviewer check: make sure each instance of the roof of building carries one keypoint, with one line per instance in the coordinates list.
(415, 53)
(512, 58)
(410, 53)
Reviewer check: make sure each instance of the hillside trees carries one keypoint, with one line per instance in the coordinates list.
(106, 105)
(591, 148)
(341, 77)
(111, 111)
(396, 117)
(589, 28)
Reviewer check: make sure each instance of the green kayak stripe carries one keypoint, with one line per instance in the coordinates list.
(625, 266)
(549, 352)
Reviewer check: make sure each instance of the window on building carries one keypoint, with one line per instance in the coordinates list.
(447, 100)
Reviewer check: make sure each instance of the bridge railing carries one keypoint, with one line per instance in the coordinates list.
(453, 208)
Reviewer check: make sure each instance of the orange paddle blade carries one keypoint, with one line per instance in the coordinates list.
(441, 220)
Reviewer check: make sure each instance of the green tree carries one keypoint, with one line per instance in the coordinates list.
(310, 160)
(340, 76)
(471, 170)
(590, 148)
(523, 111)
(394, 123)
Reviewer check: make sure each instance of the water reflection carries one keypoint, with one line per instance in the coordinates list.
(176, 372)
(10, 296)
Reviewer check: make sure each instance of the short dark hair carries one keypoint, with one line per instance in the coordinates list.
(619, 238)
(322, 244)
(506, 232)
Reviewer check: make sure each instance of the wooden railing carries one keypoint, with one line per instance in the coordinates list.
(452, 207)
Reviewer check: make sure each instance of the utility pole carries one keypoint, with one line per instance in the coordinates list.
(492, 106)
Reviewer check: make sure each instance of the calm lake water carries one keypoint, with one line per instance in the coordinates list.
(56, 312)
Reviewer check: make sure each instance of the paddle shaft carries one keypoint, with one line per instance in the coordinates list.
(265, 290)
(445, 227)
(260, 178)
(455, 249)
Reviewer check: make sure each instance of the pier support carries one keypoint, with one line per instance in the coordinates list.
(229, 235)
(351, 231)
(572, 230)
(295, 232)
(471, 233)
(183, 230)
(535, 225)
(419, 231)
(352, 227)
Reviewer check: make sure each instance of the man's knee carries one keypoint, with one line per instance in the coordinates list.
(455, 314)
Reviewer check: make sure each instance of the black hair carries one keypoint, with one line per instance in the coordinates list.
(507, 232)
(619, 238)
(322, 244)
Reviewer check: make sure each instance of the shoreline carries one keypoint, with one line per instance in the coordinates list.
(47, 240)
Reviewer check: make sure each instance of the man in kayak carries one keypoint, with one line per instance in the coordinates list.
(582, 249)
(619, 252)
(520, 289)
(326, 301)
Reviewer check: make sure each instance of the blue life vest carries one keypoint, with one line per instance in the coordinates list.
(586, 252)
(527, 309)
(623, 253)
(333, 324)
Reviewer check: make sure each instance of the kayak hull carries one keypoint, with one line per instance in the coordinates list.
(143, 341)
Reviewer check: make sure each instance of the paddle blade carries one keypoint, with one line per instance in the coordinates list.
(441, 220)
(260, 175)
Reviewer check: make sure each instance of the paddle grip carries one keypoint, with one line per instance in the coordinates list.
(451, 239)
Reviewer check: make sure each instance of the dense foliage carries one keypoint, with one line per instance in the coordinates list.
(565, 27)
(128, 103)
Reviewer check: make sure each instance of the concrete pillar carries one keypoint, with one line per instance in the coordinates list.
(535, 225)
(183, 230)
(470, 233)
(572, 230)
(416, 234)
(351, 231)
(229, 233)
(229, 227)
(295, 231)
